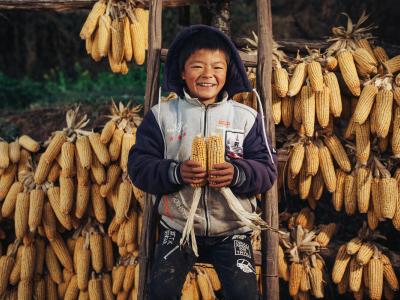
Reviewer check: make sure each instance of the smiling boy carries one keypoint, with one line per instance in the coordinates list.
(204, 68)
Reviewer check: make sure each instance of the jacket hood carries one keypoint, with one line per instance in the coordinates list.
(236, 77)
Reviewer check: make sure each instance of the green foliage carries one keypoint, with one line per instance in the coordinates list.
(57, 87)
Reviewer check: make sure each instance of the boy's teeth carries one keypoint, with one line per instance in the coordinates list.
(205, 84)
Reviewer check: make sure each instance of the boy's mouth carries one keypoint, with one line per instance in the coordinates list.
(205, 84)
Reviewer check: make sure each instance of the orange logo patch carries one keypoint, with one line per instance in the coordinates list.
(224, 123)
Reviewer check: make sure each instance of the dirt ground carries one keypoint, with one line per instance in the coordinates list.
(39, 123)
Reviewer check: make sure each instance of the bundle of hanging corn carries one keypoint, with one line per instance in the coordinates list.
(362, 268)
(201, 283)
(118, 30)
(299, 261)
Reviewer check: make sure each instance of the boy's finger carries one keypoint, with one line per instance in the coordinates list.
(220, 185)
(224, 165)
(193, 175)
(192, 163)
(188, 169)
(220, 172)
(220, 179)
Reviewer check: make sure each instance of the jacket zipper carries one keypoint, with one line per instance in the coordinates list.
(203, 189)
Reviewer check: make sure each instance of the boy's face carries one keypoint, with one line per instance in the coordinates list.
(205, 74)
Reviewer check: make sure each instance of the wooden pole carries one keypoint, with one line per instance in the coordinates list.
(270, 240)
(151, 97)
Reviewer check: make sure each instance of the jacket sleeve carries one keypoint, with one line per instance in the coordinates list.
(147, 168)
(258, 171)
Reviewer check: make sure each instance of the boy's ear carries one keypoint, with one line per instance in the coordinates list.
(183, 75)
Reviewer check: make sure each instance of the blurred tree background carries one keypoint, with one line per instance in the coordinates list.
(43, 60)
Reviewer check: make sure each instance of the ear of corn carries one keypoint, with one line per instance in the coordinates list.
(314, 71)
(380, 54)
(296, 82)
(98, 204)
(296, 159)
(281, 81)
(199, 154)
(36, 203)
(84, 152)
(365, 61)
(296, 270)
(393, 65)
(99, 149)
(335, 99)
(287, 111)
(104, 32)
(54, 147)
(337, 150)
(318, 186)
(375, 284)
(349, 72)
(7, 179)
(308, 110)
(138, 42)
(53, 265)
(365, 253)
(365, 103)
(384, 102)
(327, 168)
(388, 191)
(276, 108)
(325, 234)
(8, 206)
(107, 132)
(364, 179)
(322, 100)
(21, 215)
(96, 249)
(363, 143)
(62, 253)
(338, 194)
(114, 147)
(128, 140)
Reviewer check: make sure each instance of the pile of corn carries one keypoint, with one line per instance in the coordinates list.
(299, 261)
(362, 268)
(59, 201)
(117, 30)
(201, 283)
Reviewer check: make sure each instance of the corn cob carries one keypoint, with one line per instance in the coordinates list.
(331, 63)
(389, 274)
(314, 71)
(341, 262)
(54, 147)
(365, 253)
(96, 249)
(276, 108)
(82, 200)
(349, 72)
(365, 61)
(62, 253)
(91, 21)
(14, 152)
(54, 172)
(28, 143)
(104, 33)
(128, 140)
(365, 103)
(49, 221)
(355, 277)
(4, 157)
(66, 194)
(6, 180)
(97, 171)
(99, 149)
(304, 217)
(124, 199)
(375, 284)
(15, 275)
(380, 54)
(335, 103)
(8, 206)
(129, 277)
(364, 178)
(363, 144)
(296, 82)
(95, 288)
(308, 110)
(350, 195)
(28, 262)
(396, 93)
(384, 100)
(6, 266)
(317, 283)
(51, 288)
(98, 204)
(114, 147)
(199, 154)
(297, 111)
(338, 152)
(337, 197)
(305, 284)
(25, 290)
(40, 254)
(67, 159)
(138, 42)
(317, 186)
(396, 217)
(365, 44)
(287, 111)
(84, 151)
(83, 267)
(142, 15)
(42, 170)
(393, 65)
(322, 100)
(311, 159)
(281, 81)
(39, 289)
(108, 253)
(396, 132)
(118, 275)
(296, 159)
(388, 191)
(21, 215)
(107, 132)
(53, 265)
(107, 287)
(296, 270)
(36, 202)
(72, 291)
(131, 226)
(326, 233)
(327, 169)
(304, 183)
(343, 284)
(372, 219)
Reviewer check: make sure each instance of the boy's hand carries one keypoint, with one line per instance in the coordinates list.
(192, 172)
(221, 175)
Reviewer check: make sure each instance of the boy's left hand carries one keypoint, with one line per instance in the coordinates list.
(221, 175)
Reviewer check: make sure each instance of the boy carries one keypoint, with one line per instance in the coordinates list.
(204, 68)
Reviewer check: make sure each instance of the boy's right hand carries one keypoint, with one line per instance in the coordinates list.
(192, 172)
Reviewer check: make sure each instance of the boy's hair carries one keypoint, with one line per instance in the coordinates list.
(202, 40)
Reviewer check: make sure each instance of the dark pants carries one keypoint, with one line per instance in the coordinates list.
(231, 256)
